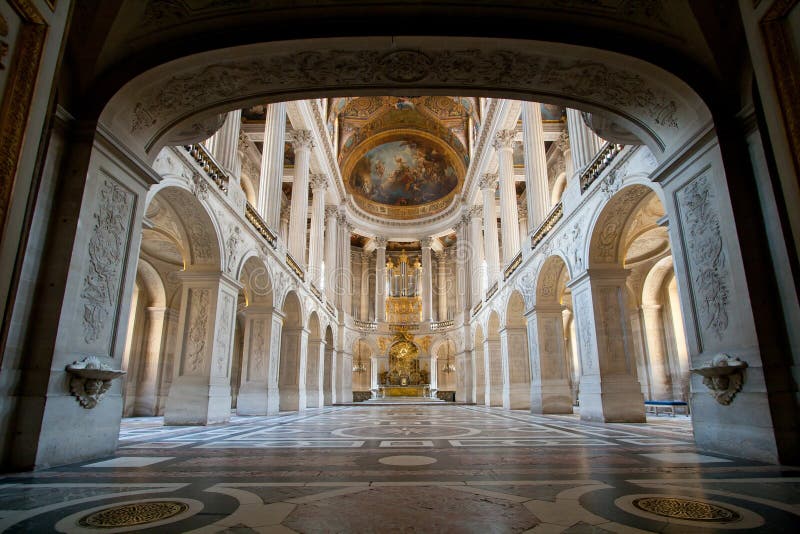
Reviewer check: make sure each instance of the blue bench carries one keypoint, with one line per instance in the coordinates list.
(668, 407)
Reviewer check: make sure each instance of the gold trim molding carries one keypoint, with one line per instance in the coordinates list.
(16, 103)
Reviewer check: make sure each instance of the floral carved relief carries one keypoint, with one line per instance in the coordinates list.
(586, 330)
(107, 252)
(224, 335)
(706, 254)
(196, 338)
(257, 352)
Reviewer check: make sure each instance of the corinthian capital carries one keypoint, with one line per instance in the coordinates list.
(380, 241)
(318, 181)
(426, 242)
(301, 139)
(476, 212)
(504, 139)
(331, 211)
(488, 182)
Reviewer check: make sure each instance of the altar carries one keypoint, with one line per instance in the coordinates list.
(421, 390)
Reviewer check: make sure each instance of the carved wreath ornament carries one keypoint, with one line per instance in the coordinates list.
(90, 379)
(723, 376)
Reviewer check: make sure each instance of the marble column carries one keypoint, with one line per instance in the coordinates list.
(319, 184)
(550, 384)
(504, 144)
(302, 140)
(488, 185)
(536, 185)
(201, 391)
(331, 252)
(258, 393)
(427, 279)
(224, 144)
(609, 390)
(462, 265)
(441, 282)
(584, 144)
(363, 303)
(380, 279)
(346, 267)
(476, 257)
(465, 380)
(284, 225)
(271, 175)
(494, 372)
(657, 358)
(522, 209)
(145, 402)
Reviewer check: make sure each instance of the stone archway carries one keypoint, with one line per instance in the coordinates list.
(494, 361)
(551, 392)
(516, 361)
(314, 362)
(479, 364)
(294, 350)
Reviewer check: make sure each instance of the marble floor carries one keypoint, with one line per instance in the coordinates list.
(406, 469)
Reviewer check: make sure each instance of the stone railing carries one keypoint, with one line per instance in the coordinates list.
(365, 325)
(260, 226)
(403, 327)
(294, 266)
(477, 308)
(513, 266)
(331, 308)
(492, 290)
(206, 161)
(441, 325)
(316, 292)
(599, 164)
(547, 225)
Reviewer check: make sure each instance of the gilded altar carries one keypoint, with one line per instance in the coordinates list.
(405, 377)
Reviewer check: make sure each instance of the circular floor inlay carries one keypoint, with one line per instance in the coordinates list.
(685, 509)
(126, 515)
(407, 460)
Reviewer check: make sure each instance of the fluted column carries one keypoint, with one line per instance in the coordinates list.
(345, 266)
(271, 175)
(224, 145)
(303, 143)
(427, 279)
(363, 303)
(380, 279)
(584, 144)
(331, 240)
(536, 185)
(504, 144)
(522, 209)
(488, 185)
(441, 275)
(461, 263)
(319, 183)
(476, 254)
(284, 225)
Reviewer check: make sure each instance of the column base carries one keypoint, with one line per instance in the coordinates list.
(551, 397)
(611, 400)
(194, 402)
(292, 399)
(313, 398)
(517, 397)
(253, 399)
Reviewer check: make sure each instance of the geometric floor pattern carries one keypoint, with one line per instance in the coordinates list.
(434, 468)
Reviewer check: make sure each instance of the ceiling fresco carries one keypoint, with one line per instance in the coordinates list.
(406, 172)
(403, 157)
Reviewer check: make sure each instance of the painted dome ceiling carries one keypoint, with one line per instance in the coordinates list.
(403, 158)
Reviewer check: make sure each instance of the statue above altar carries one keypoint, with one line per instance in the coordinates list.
(405, 376)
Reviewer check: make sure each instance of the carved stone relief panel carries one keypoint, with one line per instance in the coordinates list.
(706, 256)
(258, 352)
(224, 327)
(104, 270)
(196, 334)
(586, 333)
